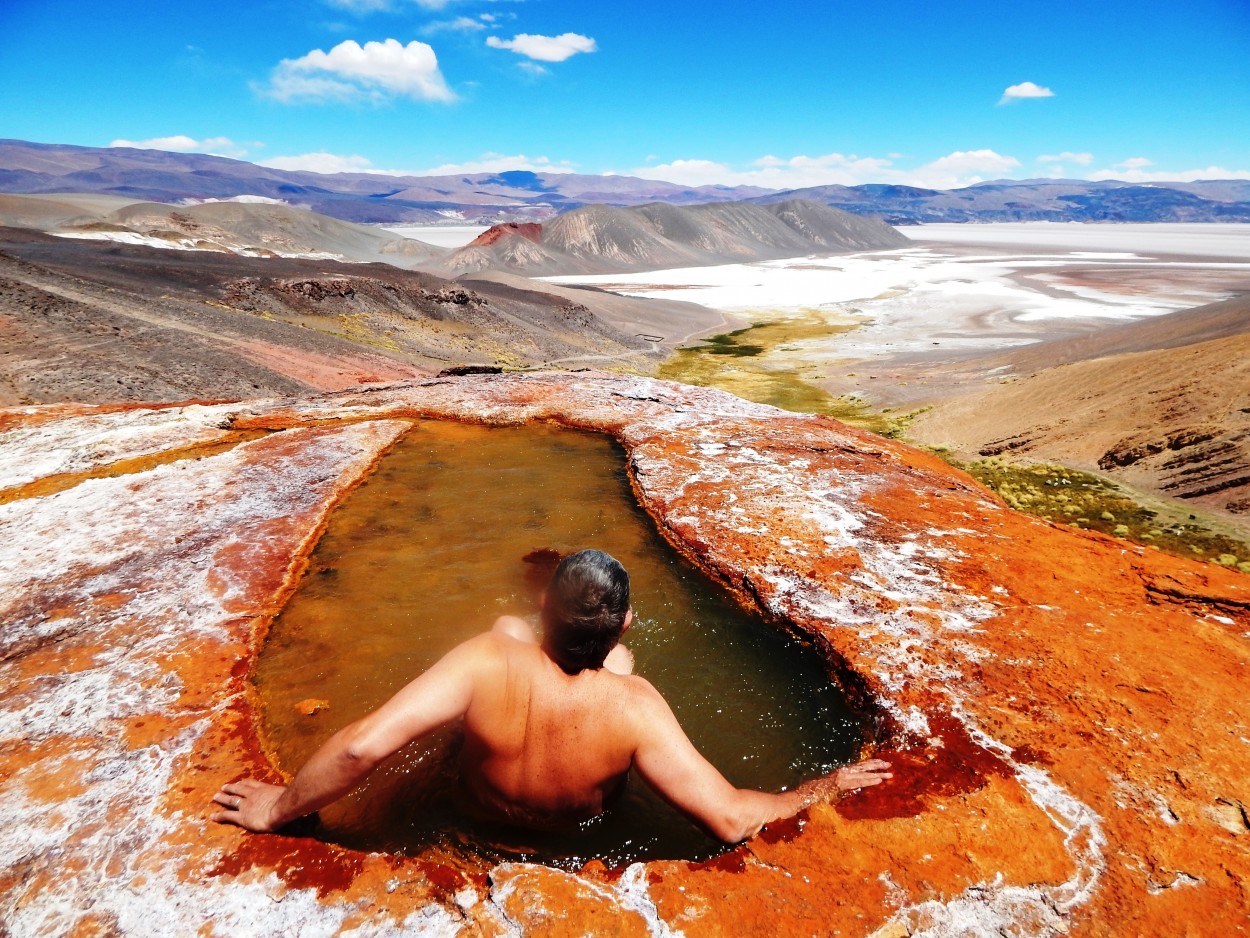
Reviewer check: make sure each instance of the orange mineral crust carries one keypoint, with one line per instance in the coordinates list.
(1065, 711)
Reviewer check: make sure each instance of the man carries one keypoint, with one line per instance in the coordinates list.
(551, 730)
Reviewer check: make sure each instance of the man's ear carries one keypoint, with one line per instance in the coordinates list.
(629, 620)
(542, 600)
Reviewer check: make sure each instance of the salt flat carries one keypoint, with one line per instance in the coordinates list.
(939, 297)
(443, 236)
(1202, 240)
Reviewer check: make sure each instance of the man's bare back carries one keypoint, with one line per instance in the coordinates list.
(537, 750)
(543, 747)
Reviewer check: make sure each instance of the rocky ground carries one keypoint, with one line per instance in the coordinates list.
(1065, 712)
(103, 322)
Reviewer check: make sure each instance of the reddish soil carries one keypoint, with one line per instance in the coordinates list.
(530, 231)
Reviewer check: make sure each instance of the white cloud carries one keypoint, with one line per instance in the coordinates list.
(953, 171)
(360, 6)
(965, 167)
(1080, 159)
(461, 24)
(690, 173)
(375, 6)
(1026, 89)
(533, 68)
(499, 163)
(545, 48)
(961, 168)
(352, 72)
(772, 172)
(1132, 170)
(321, 162)
(180, 143)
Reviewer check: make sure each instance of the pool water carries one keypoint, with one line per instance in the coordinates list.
(430, 550)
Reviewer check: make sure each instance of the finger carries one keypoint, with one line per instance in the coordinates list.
(229, 801)
(225, 817)
(243, 786)
(873, 764)
(861, 779)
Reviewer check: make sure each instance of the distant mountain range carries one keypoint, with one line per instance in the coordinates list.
(370, 198)
(490, 198)
(1038, 200)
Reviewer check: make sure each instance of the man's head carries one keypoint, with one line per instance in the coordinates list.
(585, 610)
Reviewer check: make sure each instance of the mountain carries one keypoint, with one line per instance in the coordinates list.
(1038, 200)
(602, 238)
(376, 198)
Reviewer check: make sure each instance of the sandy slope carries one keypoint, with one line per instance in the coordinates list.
(99, 321)
(669, 322)
(1163, 404)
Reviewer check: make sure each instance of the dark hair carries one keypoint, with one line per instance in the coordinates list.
(584, 613)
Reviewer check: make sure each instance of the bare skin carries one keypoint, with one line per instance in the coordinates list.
(542, 748)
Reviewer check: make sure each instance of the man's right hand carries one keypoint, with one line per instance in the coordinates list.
(862, 775)
(828, 788)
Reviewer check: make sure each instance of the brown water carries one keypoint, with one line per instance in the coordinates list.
(429, 552)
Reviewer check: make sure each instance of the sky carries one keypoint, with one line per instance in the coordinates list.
(780, 95)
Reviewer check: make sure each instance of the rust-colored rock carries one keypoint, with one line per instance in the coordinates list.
(530, 231)
(1066, 712)
(311, 706)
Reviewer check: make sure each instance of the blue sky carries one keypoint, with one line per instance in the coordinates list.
(773, 94)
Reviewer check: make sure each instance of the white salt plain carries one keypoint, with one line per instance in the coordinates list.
(1200, 240)
(909, 300)
(443, 236)
(190, 244)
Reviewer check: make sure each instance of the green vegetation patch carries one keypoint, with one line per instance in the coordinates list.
(750, 376)
(1096, 504)
(730, 343)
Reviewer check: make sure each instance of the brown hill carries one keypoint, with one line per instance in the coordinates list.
(1163, 404)
(602, 238)
(99, 321)
(237, 227)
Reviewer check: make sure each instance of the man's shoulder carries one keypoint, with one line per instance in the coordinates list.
(483, 653)
(637, 690)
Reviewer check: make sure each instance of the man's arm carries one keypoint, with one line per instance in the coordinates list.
(438, 696)
(669, 763)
